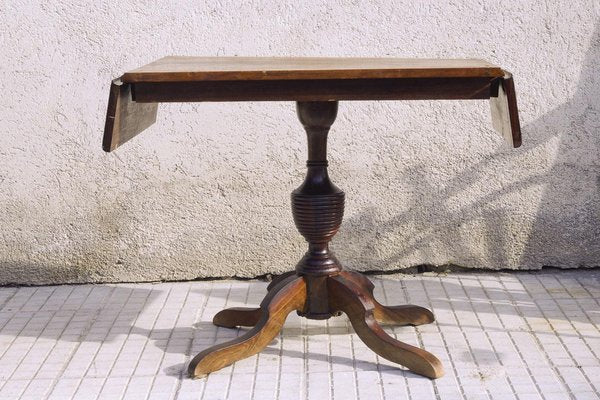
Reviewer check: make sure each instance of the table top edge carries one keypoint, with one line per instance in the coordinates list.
(274, 68)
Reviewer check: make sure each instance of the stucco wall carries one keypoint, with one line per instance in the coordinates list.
(205, 191)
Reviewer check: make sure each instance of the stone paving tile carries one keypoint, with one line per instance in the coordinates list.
(525, 335)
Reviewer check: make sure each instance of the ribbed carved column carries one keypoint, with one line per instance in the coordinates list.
(317, 205)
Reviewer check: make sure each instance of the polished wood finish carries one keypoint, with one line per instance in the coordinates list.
(407, 314)
(315, 90)
(279, 278)
(124, 117)
(237, 316)
(352, 294)
(287, 296)
(402, 315)
(191, 69)
(505, 115)
(199, 79)
(319, 288)
(358, 305)
(317, 205)
(317, 208)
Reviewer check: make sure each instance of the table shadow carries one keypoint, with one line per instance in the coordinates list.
(565, 230)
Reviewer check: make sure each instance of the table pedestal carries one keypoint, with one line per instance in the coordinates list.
(319, 288)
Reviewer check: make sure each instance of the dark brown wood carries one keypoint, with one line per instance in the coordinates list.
(406, 314)
(279, 278)
(247, 316)
(124, 117)
(237, 316)
(505, 114)
(190, 69)
(357, 304)
(326, 290)
(315, 90)
(286, 297)
(318, 294)
(317, 205)
(194, 79)
(317, 298)
(319, 288)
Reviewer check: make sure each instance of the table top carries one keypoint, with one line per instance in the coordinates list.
(134, 98)
(194, 69)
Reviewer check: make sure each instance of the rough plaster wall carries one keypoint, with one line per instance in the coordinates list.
(205, 191)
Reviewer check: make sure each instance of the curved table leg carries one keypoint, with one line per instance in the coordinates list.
(393, 315)
(348, 296)
(245, 316)
(287, 296)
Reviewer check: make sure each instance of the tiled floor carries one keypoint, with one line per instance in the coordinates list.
(499, 336)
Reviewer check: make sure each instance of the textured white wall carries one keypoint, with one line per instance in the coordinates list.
(205, 191)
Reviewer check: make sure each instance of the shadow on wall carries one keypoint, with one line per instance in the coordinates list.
(566, 229)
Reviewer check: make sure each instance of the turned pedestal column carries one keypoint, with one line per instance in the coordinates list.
(319, 288)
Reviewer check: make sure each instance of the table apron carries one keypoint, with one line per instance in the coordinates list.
(315, 90)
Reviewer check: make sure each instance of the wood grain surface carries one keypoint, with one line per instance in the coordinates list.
(350, 298)
(125, 118)
(193, 69)
(287, 296)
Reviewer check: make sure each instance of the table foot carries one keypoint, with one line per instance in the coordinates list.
(237, 316)
(289, 295)
(355, 301)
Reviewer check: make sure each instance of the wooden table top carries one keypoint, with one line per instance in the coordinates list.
(194, 69)
(134, 97)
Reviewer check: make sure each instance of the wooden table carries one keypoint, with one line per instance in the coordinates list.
(318, 288)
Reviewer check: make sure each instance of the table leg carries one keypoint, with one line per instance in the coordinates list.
(286, 297)
(406, 314)
(351, 298)
(279, 278)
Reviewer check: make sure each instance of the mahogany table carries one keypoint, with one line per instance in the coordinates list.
(318, 288)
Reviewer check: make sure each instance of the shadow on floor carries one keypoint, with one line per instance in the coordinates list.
(107, 313)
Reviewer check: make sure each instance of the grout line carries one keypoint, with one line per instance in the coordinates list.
(438, 331)
(356, 391)
(75, 344)
(8, 300)
(98, 311)
(406, 293)
(24, 325)
(534, 337)
(442, 337)
(387, 303)
(541, 301)
(148, 339)
(490, 342)
(212, 288)
(451, 305)
(574, 330)
(238, 334)
(159, 311)
(182, 372)
(197, 316)
(215, 339)
(508, 334)
(33, 344)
